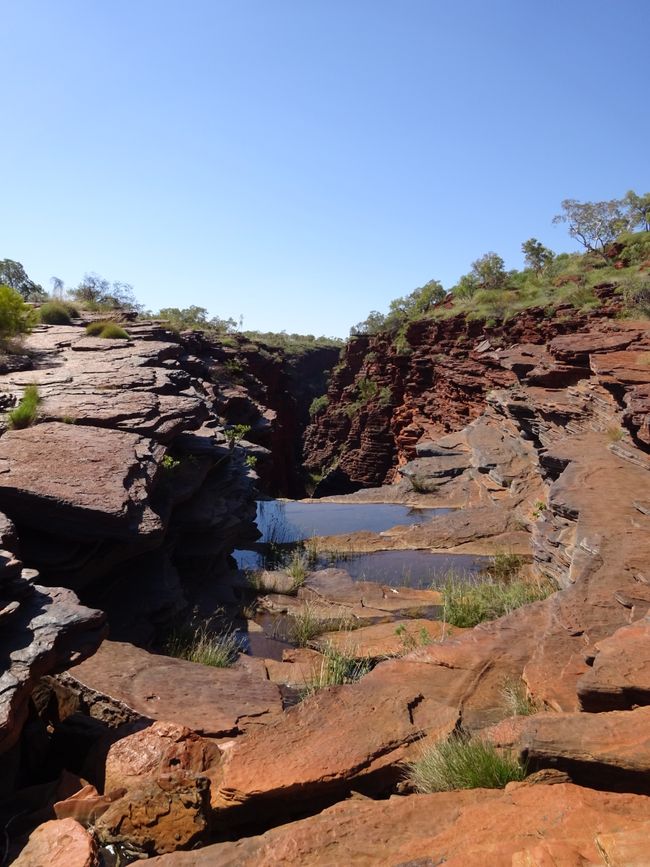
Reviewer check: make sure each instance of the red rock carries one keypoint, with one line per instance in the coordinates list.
(161, 750)
(620, 675)
(388, 639)
(525, 825)
(603, 749)
(121, 682)
(325, 746)
(159, 815)
(59, 843)
(97, 486)
(86, 805)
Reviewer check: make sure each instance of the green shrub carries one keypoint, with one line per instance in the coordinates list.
(466, 604)
(412, 640)
(24, 414)
(94, 329)
(318, 404)
(636, 294)
(463, 763)
(337, 667)
(113, 331)
(56, 313)
(366, 388)
(106, 330)
(236, 433)
(16, 317)
(196, 643)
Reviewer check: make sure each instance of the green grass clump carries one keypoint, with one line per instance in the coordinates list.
(297, 569)
(24, 414)
(463, 763)
(504, 566)
(199, 644)
(106, 330)
(466, 603)
(57, 313)
(516, 699)
(305, 625)
(337, 668)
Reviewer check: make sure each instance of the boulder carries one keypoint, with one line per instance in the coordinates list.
(59, 843)
(122, 683)
(162, 749)
(43, 630)
(83, 482)
(608, 750)
(159, 815)
(620, 675)
(324, 747)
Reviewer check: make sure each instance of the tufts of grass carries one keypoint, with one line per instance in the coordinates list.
(615, 434)
(516, 698)
(337, 668)
(106, 330)
(412, 640)
(463, 763)
(24, 414)
(305, 625)
(197, 643)
(466, 603)
(297, 569)
(505, 566)
(57, 313)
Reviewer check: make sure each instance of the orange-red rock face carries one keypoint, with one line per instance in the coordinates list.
(441, 384)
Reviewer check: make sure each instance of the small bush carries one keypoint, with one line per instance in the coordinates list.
(636, 295)
(412, 640)
(463, 763)
(24, 414)
(198, 644)
(466, 604)
(113, 331)
(615, 434)
(106, 330)
(57, 313)
(94, 329)
(236, 433)
(366, 389)
(16, 317)
(318, 404)
(337, 667)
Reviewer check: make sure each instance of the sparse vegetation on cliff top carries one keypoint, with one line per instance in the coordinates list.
(615, 236)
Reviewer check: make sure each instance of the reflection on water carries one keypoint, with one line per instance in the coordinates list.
(291, 521)
(282, 523)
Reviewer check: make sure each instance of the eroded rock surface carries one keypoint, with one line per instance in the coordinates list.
(122, 683)
(523, 825)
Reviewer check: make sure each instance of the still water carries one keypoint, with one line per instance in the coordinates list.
(285, 522)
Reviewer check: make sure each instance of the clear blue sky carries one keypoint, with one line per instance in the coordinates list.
(302, 162)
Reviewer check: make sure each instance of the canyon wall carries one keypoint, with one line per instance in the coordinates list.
(386, 395)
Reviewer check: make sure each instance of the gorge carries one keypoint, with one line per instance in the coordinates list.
(527, 441)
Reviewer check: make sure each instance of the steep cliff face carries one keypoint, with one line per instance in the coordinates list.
(270, 389)
(384, 397)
